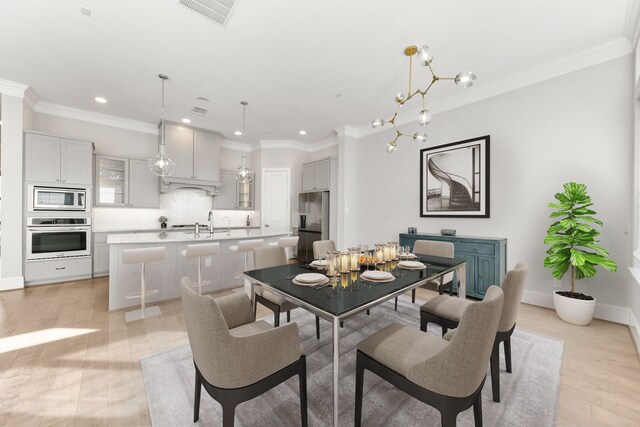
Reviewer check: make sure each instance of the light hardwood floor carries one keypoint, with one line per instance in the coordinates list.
(65, 360)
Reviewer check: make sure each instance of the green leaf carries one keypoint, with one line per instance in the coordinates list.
(577, 257)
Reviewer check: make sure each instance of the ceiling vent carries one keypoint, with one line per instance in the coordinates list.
(216, 10)
(199, 111)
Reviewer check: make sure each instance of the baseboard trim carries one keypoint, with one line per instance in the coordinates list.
(11, 283)
(608, 312)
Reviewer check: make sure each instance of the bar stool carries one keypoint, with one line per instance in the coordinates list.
(286, 242)
(200, 250)
(246, 246)
(143, 256)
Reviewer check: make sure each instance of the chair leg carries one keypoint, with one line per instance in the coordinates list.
(507, 353)
(495, 371)
(477, 410)
(413, 295)
(302, 379)
(444, 330)
(395, 308)
(368, 313)
(196, 399)
(448, 417)
(228, 415)
(423, 324)
(317, 327)
(288, 316)
(359, 387)
(276, 318)
(255, 307)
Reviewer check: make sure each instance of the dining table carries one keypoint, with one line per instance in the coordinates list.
(346, 295)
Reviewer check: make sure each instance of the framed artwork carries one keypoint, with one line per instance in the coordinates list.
(454, 179)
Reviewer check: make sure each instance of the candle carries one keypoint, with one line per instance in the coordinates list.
(393, 254)
(355, 253)
(386, 253)
(332, 269)
(345, 261)
(379, 252)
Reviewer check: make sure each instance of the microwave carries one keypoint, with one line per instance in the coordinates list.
(56, 199)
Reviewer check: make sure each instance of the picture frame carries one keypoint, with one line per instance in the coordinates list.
(454, 179)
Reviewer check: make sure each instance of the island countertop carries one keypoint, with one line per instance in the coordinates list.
(188, 236)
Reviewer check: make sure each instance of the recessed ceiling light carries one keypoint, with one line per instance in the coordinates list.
(202, 99)
(85, 11)
(100, 99)
(186, 121)
(238, 133)
(303, 132)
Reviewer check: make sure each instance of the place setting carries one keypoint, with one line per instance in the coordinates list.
(411, 265)
(376, 277)
(312, 280)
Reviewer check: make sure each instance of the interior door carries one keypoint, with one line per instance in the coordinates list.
(276, 203)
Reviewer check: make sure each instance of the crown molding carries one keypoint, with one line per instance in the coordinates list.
(348, 131)
(632, 22)
(31, 98)
(327, 143)
(598, 54)
(92, 117)
(8, 87)
(235, 145)
(290, 144)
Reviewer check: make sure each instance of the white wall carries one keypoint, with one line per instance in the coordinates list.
(574, 127)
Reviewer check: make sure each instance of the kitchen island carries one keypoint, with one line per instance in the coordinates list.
(222, 271)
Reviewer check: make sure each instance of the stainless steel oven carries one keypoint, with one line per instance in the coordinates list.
(56, 199)
(58, 237)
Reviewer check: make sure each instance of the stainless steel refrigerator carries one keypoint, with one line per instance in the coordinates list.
(314, 222)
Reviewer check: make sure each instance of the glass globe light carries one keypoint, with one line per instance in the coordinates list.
(424, 118)
(426, 54)
(377, 123)
(420, 137)
(391, 147)
(161, 164)
(244, 175)
(465, 79)
(399, 97)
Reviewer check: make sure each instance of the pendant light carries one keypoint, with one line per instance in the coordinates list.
(161, 164)
(244, 175)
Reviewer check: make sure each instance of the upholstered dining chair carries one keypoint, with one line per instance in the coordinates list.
(271, 256)
(447, 312)
(448, 375)
(237, 359)
(321, 247)
(434, 248)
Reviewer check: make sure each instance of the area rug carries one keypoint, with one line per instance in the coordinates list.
(529, 395)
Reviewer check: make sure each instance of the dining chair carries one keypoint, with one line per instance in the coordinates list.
(272, 256)
(235, 358)
(321, 247)
(447, 312)
(448, 375)
(433, 248)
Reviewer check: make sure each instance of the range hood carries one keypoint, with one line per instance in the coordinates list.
(168, 184)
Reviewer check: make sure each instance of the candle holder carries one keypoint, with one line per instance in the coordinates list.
(379, 253)
(332, 264)
(393, 250)
(354, 254)
(345, 262)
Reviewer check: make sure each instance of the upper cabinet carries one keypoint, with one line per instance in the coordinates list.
(56, 160)
(316, 176)
(122, 182)
(196, 153)
(234, 195)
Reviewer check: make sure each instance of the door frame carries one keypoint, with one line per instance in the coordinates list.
(287, 196)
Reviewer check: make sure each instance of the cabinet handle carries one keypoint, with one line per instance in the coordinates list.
(57, 180)
(64, 180)
(61, 268)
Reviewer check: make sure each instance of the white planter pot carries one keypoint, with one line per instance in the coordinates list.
(575, 311)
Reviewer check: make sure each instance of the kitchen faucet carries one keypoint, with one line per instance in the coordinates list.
(210, 219)
(228, 225)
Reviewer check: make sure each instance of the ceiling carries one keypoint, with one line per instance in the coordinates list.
(313, 65)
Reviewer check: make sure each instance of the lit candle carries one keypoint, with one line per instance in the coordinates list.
(392, 250)
(345, 261)
(386, 253)
(355, 253)
(332, 269)
(379, 252)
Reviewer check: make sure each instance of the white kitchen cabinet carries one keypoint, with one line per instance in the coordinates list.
(316, 176)
(100, 255)
(233, 195)
(123, 182)
(56, 160)
(195, 152)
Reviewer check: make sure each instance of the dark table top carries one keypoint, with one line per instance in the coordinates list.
(351, 295)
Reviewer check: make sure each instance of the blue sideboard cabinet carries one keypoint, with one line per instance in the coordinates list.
(486, 258)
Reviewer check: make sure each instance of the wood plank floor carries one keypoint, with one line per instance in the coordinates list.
(65, 360)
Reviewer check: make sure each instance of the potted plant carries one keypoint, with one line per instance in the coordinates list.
(574, 246)
(163, 222)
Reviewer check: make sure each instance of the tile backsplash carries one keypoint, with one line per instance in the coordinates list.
(182, 206)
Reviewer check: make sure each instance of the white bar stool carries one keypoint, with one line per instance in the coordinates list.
(200, 250)
(286, 242)
(142, 256)
(246, 246)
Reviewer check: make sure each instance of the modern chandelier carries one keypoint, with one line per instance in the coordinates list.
(244, 175)
(161, 164)
(464, 79)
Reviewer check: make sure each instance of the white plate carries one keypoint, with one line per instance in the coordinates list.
(322, 282)
(411, 264)
(407, 256)
(310, 278)
(376, 275)
(319, 263)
